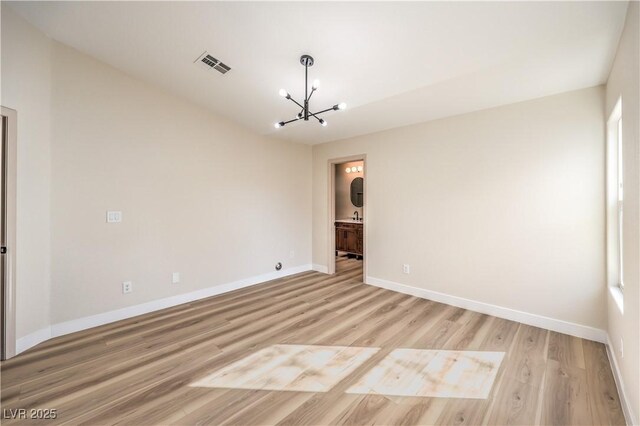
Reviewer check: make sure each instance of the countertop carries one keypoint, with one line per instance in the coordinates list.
(349, 221)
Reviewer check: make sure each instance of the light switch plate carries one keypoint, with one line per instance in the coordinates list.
(175, 278)
(114, 216)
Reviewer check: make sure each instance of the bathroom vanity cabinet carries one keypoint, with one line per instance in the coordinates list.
(349, 237)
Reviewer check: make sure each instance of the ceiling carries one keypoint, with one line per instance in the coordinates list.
(393, 63)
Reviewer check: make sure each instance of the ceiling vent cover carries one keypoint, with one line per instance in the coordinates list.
(208, 62)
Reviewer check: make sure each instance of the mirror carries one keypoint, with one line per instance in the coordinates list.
(357, 192)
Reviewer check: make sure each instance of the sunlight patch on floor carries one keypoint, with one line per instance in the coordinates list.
(432, 373)
(302, 368)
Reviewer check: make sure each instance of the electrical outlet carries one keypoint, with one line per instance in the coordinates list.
(406, 269)
(175, 278)
(292, 254)
(127, 287)
(114, 217)
(621, 348)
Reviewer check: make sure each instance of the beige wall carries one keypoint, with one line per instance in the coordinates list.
(623, 82)
(199, 195)
(504, 206)
(344, 207)
(26, 88)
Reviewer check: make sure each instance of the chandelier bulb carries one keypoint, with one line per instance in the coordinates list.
(316, 83)
(283, 93)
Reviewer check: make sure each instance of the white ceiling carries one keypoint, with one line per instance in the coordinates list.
(393, 63)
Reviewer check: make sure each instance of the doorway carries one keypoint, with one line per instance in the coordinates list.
(347, 217)
(8, 157)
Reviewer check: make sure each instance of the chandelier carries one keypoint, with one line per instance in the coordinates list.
(305, 113)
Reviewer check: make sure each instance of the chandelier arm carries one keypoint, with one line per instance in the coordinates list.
(323, 111)
(291, 121)
(320, 120)
(316, 117)
(295, 102)
(313, 89)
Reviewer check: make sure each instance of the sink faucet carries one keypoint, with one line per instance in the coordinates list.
(357, 215)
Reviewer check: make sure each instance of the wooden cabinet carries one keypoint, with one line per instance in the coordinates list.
(349, 237)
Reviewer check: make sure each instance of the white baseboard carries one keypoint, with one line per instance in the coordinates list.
(30, 340)
(629, 416)
(84, 323)
(553, 324)
(320, 268)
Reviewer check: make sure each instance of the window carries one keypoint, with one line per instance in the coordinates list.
(615, 205)
(620, 187)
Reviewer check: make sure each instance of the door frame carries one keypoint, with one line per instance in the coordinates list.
(331, 212)
(10, 158)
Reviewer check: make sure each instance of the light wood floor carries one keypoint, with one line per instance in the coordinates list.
(138, 371)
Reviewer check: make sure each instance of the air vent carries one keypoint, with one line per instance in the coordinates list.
(208, 62)
(222, 67)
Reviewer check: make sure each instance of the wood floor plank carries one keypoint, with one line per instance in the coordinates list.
(270, 409)
(471, 334)
(528, 361)
(567, 350)
(362, 411)
(500, 336)
(411, 411)
(147, 370)
(565, 400)
(515, 404)
(603, 396)
(463, 412)
(219, 406)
